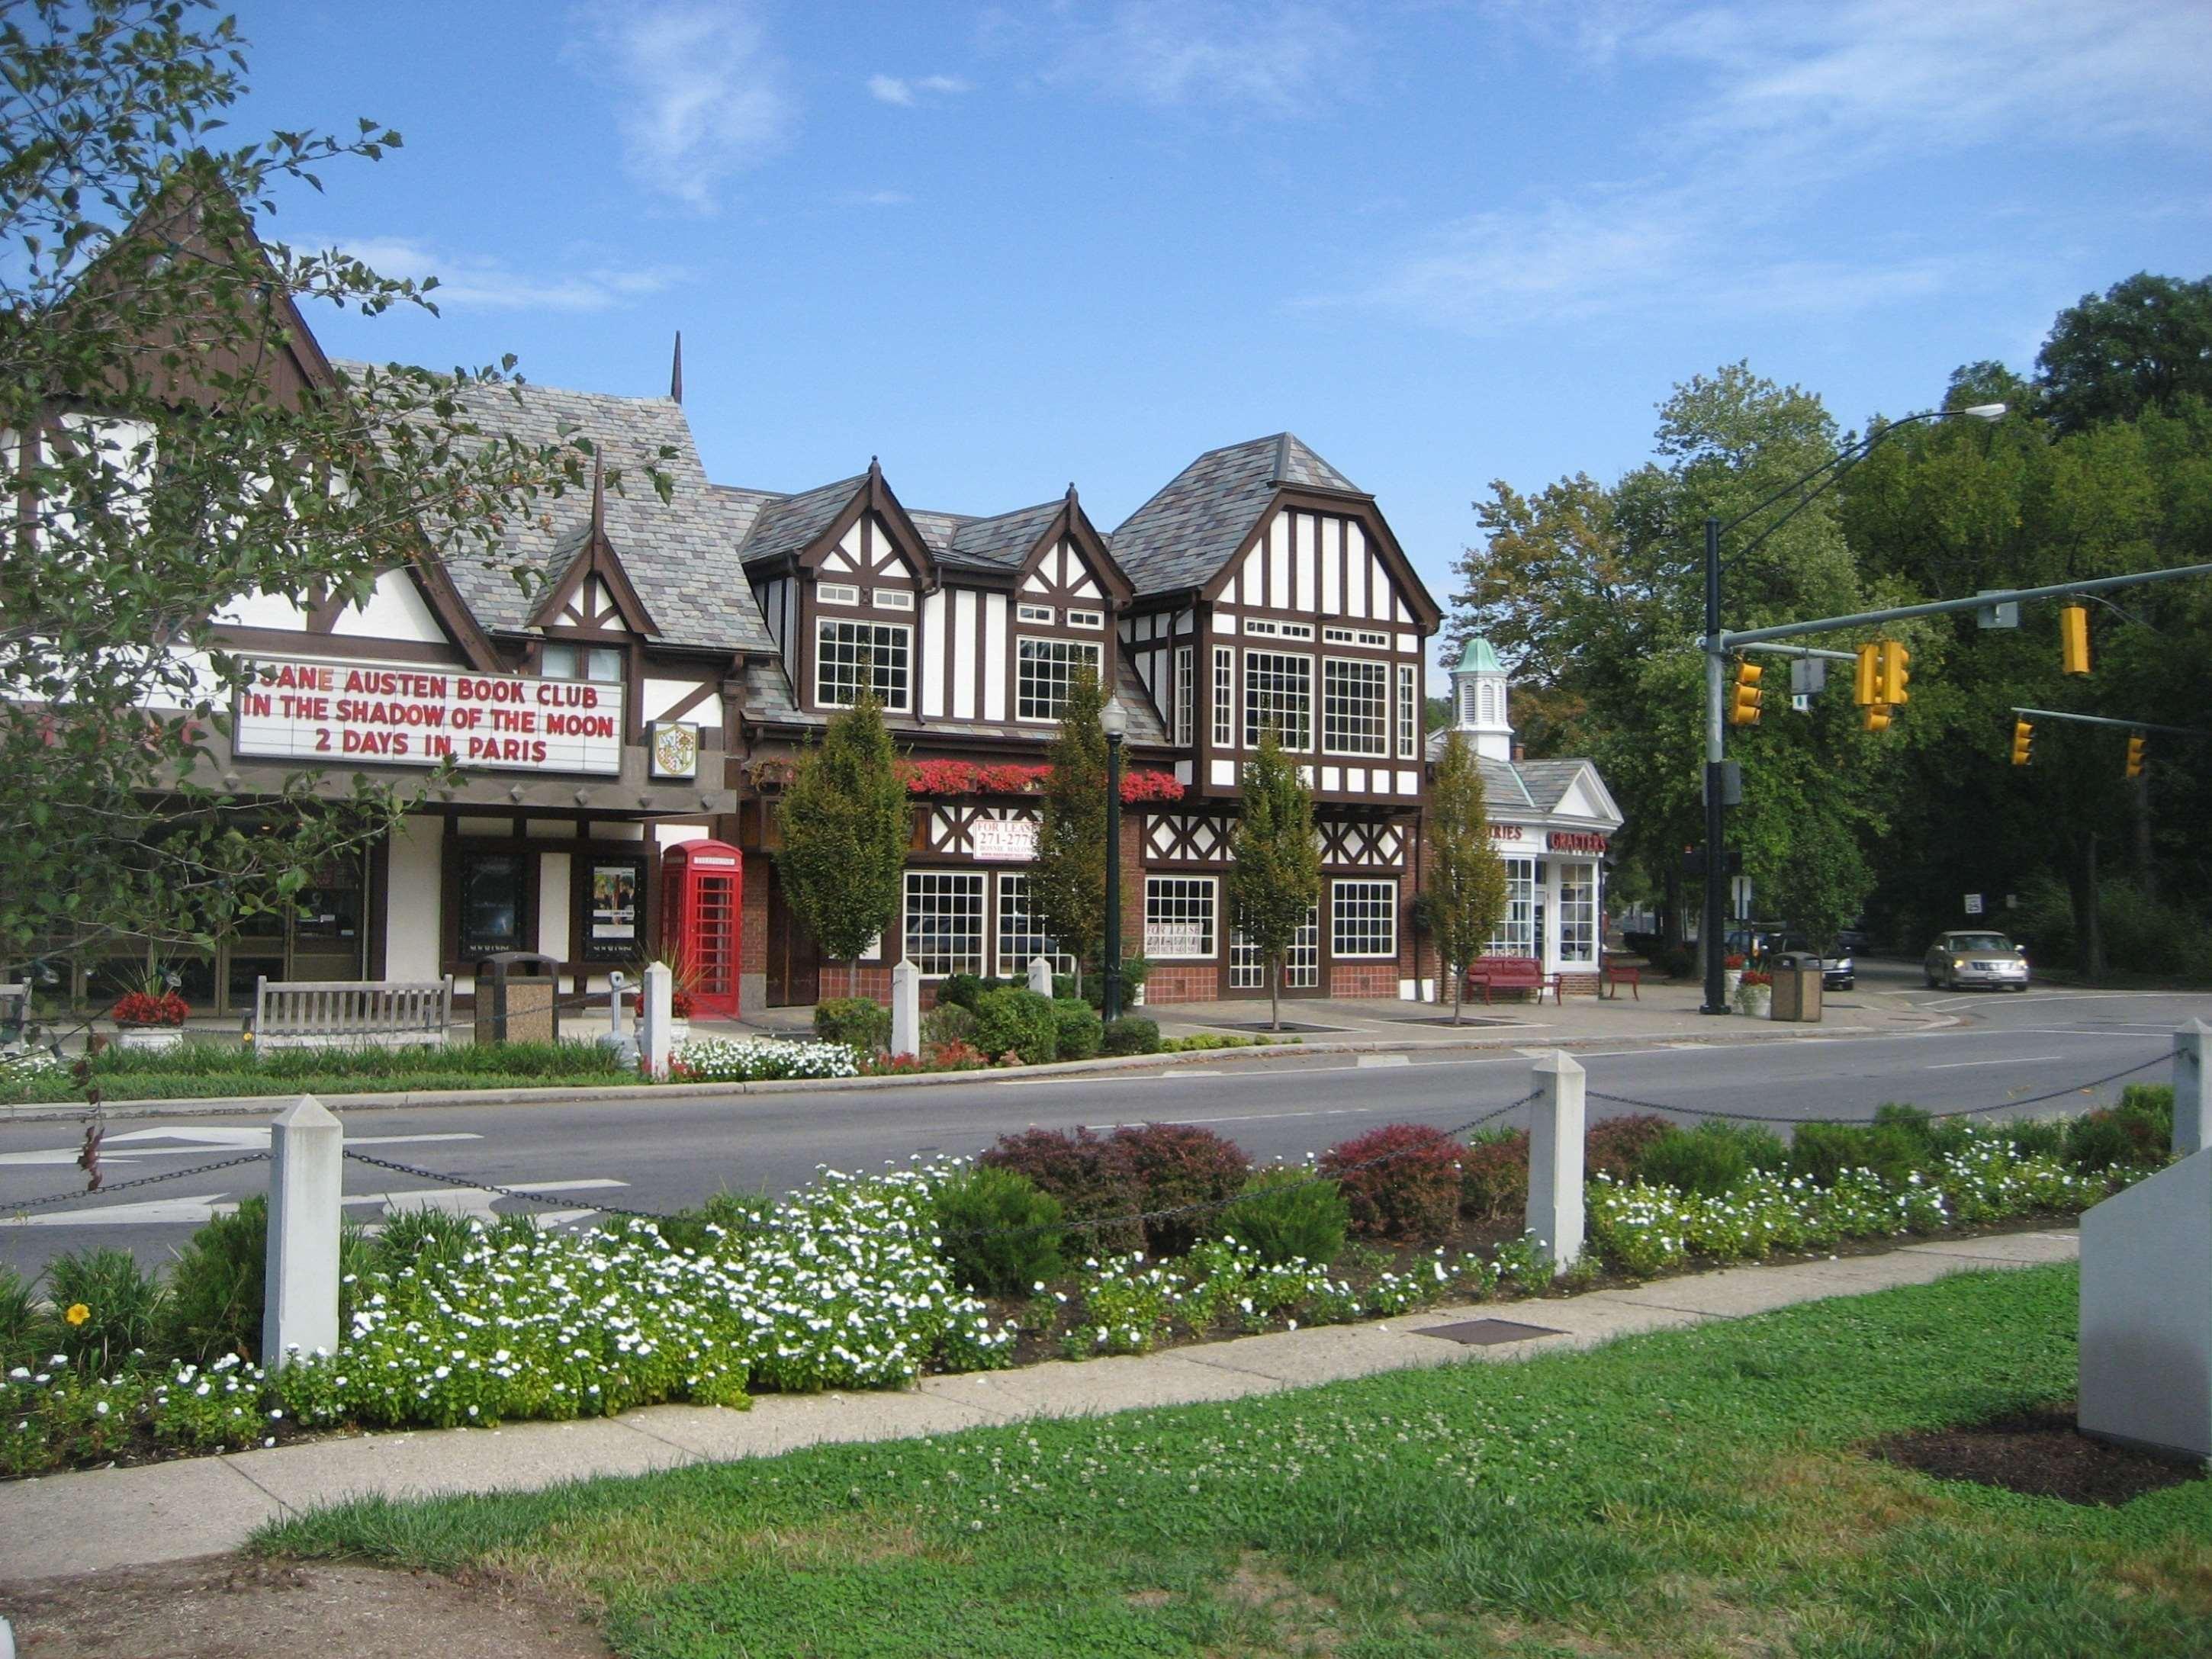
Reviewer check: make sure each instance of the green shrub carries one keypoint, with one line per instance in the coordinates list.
(1493, 1174)
(1821, 1153)
(122, 1308)
(2037, 1137)
(1612, 1148)
(1710, 1159)
(860, 1023)
(1092, 990)
(741, 1216)
(964, 990)
(2137, 1133)
(1088, 1174)
(1012, 1021)
(948, 1022)
(1000, 1231)
(1132, 1034)
(27, 1335)
(423, 1236)
(217, 1285)
(1288, 1214)
(1077, 1028)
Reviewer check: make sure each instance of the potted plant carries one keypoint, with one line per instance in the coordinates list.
(1731, 976)
(683, 964)
(151, 1017)
(1755, 995)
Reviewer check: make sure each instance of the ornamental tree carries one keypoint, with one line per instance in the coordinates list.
(1068, 888)
(177, 447)
(1467, 888)
(1275, 880)
(845, 825)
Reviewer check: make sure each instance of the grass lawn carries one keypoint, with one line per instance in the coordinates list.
(1688, 1492)
(203, 1068)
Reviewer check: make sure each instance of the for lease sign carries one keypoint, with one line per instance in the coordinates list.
(397, 715)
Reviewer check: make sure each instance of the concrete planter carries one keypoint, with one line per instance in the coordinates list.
(153, 1038)
(1731, 984)
(1755, 1000)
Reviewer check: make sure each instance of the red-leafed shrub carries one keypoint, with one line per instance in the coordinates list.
(1612, 1148)
(1091, 1177)
(1493, 1174)
(144, 1008)
(1402, 1182)
(1177, 1165)
(954, 1055)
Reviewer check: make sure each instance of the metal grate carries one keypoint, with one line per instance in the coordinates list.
(1487, 1333)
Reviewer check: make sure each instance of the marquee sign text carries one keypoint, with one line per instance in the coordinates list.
(395, 715)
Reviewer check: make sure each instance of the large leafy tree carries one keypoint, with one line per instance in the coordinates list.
(2142, 344)
(1467, 885)
(1275, 878)
(846, 817)
(164, 470)
(1068, 888)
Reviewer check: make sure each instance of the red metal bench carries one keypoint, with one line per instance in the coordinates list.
(1511, 974)
(1611, 976)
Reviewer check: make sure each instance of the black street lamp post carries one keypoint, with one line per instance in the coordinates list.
(1115, 721)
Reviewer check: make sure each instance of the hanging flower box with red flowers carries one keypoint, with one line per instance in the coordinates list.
(960, 777)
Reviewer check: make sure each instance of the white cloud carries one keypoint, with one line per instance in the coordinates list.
(1783, 103)
(1251, 54)
(698, 93)
(476, 281)
(892, 89)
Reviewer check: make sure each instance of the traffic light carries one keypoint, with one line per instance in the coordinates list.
(1744, 706)
(1890, 678)
(1866, 687)
(1877, 718)
(2023, 739)
(2074, 639)
(2134, 756)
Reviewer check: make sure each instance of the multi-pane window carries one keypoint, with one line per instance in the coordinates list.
(848, 655)
(1021, 936)
(945, 921)
(581, 662)
(1279, 696)
(1355, 637)
(1280, 630)
(1248, 969)
(1186, 696)
(1364, 919)
(1355, 708)
(1036, 613)
(1409, 713)
(1224, 697)
(1179, 912)
(1086, 619)
(1578, 912)
(1049, 668)
(893, 599)
(1517, 931)
(837, 593)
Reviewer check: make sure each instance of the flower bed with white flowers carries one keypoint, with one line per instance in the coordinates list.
(757, 1060)
(846, 1284)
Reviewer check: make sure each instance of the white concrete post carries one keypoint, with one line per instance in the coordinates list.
(656, 1009)
(1555, 1159)
(1040, 975)
(2146, 1311)
(906, 1009)
(2192, 1088)
(307, 1164)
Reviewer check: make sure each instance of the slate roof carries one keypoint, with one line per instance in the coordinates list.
(680, 553)
(789, 524)
(1537, 785)
(768, 698)
(1183, 536)
(1004, 541)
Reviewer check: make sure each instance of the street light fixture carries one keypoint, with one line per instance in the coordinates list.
(1711, 928)
(1114, 721)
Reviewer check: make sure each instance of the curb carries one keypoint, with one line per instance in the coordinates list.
(254, 1105)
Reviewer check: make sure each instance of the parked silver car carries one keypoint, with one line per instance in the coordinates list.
(1971, 956)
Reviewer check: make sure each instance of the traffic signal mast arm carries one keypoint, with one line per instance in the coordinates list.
(2106, 719)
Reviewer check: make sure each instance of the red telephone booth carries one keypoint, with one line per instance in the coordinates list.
(702, 885)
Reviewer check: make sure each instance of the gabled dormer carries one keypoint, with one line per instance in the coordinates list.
(1272, 594)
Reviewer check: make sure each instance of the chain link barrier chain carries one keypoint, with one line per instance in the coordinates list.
(476, 1184)
(11, 1206)
(1953, 1111)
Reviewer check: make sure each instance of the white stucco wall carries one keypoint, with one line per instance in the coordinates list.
(412, 900)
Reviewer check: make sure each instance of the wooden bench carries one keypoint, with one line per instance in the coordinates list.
(315, 1013)
(1511, 974)
(1613, 974)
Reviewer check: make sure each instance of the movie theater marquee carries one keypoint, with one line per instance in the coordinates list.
(400, 714)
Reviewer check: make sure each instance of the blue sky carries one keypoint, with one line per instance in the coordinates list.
(1005, 248)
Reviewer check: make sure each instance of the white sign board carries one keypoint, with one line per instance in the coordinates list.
(404, 714)
(1012, 840)
(1973, 905)
(1168, 939)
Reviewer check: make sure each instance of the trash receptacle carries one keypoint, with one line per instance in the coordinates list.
(515, 995)
(1797, 986)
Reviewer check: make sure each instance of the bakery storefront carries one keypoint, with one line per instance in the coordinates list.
(1555, 896)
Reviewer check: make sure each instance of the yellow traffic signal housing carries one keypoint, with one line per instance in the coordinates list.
(2074, 638)
(1877, 718)
(1892, 676)
(1866, 687)
(2134, 756)
(2023, 739)
(1743, 706)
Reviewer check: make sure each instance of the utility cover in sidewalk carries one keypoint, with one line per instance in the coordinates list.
(1259, 1025)
(1487, 1333)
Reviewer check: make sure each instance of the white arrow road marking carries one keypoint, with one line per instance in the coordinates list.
(2010, 1060)
(194, 1211)
(476, 1201)
(130, 1147)
(197, 1209)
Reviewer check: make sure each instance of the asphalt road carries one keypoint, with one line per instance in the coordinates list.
(664, 1155)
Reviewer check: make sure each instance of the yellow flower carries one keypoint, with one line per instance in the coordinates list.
(77, 1313)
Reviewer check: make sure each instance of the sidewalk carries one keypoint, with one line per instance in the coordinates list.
(74, 1524)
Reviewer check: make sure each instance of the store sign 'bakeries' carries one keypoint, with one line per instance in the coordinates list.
(396, 714)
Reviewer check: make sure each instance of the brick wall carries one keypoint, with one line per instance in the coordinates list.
(1366, 979)
(1182, 982)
